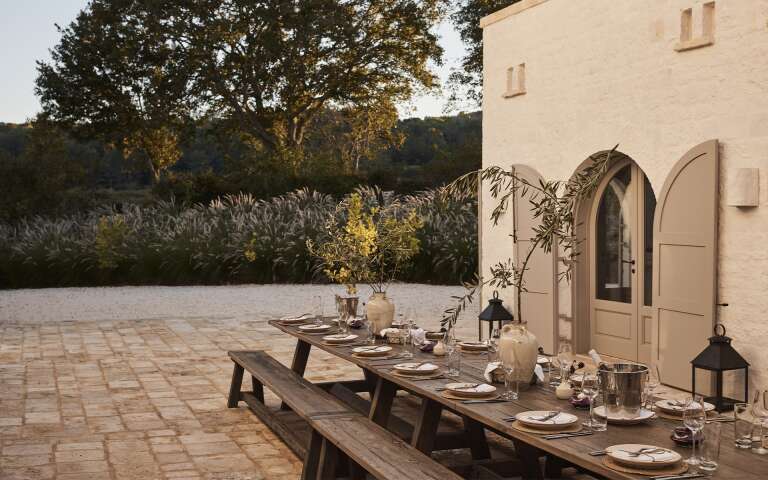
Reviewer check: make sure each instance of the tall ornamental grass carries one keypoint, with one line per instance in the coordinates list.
(234, 239)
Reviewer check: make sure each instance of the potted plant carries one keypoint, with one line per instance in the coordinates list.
(554, 203)
(368, 244)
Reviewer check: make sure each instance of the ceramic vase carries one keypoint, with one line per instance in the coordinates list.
(520, 347)
(380, 311)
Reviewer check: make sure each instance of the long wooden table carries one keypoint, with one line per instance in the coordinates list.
(734, 463)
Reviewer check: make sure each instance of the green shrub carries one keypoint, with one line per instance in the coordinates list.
(166, 243)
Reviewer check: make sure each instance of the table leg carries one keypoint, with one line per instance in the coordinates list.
(371, 379)
(425, 430)
(529, 460)
(258, 389)
(475, 433)
(299, 364)
(381, 406)
(234, 387)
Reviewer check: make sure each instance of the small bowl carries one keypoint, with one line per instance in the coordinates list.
(682, 437)
(580, 403)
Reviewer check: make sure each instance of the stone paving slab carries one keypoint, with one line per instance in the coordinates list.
(125, 397)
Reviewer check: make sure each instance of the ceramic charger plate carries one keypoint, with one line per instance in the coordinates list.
(473, 346)
(314, 328)
(470, 390)
(415, 368)
(372, 350)
(623, 418)
(296, 319)
(676, 407)
(339, 338)
(643, 456)
(538, 419)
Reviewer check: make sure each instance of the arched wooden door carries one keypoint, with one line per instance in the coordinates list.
(620, 253)
(685, 262)
(538, 301)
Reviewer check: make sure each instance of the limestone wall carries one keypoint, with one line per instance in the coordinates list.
(602, 72)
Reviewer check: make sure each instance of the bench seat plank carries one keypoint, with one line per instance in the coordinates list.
(304, 398)
(378, 451)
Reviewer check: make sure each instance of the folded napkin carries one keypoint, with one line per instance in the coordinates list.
(303, 316)
(419, 336)
(537, 370)
(386, 331)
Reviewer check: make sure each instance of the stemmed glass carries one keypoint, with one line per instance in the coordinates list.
(652, 383)
(760, 412)
(343, 318)
(590, 388)
(410, 325)
(565, 358)
(694, 419)
(508, 365)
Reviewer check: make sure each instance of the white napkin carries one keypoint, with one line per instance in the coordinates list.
(539, 372)
(419, 336)
(386, 331)
(489, 370)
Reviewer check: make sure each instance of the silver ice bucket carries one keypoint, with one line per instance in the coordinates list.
(622, 385)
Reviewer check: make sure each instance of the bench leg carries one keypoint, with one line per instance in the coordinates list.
(329, 456)
(370, 379)
(299, 364)
(234, 388)
(478, 445)
(381, 405)
(258, 389)
(425, 430)
(312, 460)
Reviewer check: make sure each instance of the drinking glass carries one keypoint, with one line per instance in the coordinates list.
(317, 309)
(743, 426)
(710, 447)
(760, 412)
(565, 358)
(454, 360)
(555, 374)
(598, 423)
(493, 345)
(408, 340)
(590, 388)
(694, 418)
(510, 384)
(652, 383)
(371, 329)
(343, 318)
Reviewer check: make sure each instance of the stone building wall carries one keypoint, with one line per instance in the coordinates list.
(596, 73)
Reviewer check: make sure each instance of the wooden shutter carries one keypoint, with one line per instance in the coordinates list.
(538, 303)
(685, 262)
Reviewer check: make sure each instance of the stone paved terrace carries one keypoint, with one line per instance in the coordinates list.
(131, 382)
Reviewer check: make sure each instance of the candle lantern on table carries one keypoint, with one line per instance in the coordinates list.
(720, 357)
(494, 312)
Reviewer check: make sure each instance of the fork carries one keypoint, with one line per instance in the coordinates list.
(548, 416)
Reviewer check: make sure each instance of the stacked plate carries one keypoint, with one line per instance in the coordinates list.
(294, 319)
(624, 417)
(676, 407)
(473, 347)
(339, 338)
(462, 391)
(314, 328)
(643, 457)
(416, 369)
(372, 351)
(547, 420)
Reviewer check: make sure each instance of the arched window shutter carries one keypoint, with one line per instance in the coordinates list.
(538, 302)
(685, 262)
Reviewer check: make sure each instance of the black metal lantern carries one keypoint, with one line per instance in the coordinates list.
(494, 312)
(719, 357)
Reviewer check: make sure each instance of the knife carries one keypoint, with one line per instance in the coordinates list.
(495, 400)
(556, 436)
(682, 476)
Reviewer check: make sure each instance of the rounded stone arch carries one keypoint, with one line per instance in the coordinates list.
(574, 317)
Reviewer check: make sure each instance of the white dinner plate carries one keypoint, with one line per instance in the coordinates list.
(536, 419)
(416, 368)
(296, 318)
(339, 338)
(677, 407)
(314, 328)
(478, 346)
(372, 350)
(643, 456)
(470, 389)
(623, 418)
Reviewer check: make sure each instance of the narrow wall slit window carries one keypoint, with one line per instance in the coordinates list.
(515, 81)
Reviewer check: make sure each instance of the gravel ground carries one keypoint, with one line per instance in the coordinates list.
(239, 303)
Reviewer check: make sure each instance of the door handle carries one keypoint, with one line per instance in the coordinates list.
(631, 262)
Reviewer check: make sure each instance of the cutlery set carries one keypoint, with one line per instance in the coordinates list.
(682, 476)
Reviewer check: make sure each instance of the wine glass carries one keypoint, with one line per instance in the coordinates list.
(317, 309)
(652, 383)
(760, 412)
(590, 388)
(508, 365)
(694, 419)
(371, 329)
(565, 358)
(410, 326)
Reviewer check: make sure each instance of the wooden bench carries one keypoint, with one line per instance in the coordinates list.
(337, 428)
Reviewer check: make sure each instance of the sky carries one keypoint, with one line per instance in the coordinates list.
(27, 32)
